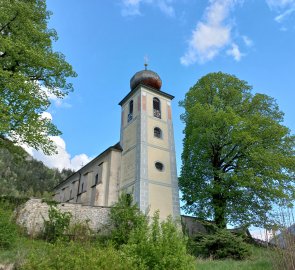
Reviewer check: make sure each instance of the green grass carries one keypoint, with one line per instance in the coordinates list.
(22, 248)
(261, 259)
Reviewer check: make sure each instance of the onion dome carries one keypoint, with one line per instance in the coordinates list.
(146, 77)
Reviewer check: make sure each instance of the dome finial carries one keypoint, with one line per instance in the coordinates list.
(145, 62)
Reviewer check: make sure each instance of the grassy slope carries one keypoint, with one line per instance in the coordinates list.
(261, 259)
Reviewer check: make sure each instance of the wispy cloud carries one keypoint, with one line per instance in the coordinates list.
(130, 7)
(283, 7)
(211, 34)
(234, 51)
(248, 42)
(56, 101)
(133, 7)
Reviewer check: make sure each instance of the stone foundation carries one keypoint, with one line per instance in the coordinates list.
(32, 214)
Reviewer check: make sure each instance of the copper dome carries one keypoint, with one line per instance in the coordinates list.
(146, 77)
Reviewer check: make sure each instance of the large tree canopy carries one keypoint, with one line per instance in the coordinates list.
(30, 71)
(238, 157)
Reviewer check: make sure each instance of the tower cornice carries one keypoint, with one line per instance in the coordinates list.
(156, 91)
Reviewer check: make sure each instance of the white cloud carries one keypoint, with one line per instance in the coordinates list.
(46, 115)
(166, 7)
(274, 4)
(210, 35)
(58, 102)
(132, 7)
(235, 52)
(62, 159)
(248, 42)
(283, 7)
(284, 15)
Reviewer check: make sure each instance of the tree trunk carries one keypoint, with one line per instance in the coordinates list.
(219, 204)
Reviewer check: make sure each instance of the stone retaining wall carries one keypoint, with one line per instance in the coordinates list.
(32, 214)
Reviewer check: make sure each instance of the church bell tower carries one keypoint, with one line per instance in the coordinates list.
(148, 168)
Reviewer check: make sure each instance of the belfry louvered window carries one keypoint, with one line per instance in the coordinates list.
(157, 107)
(130, 114)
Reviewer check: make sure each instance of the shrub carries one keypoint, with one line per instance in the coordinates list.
(81, 232)
(124, 218)
(220, 245)
(8, 230)
(153, 245)
(159, 246)
(284, 240)
(74, 256)
(56, 226)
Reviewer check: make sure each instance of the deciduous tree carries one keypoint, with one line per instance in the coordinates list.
(238, 157)
(30, 71)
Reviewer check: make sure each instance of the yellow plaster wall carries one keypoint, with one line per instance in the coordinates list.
(114, 176)
(161, 142)
(162, 156)
(128, 167)
(100, 188)
(160, 198)
(129, 135)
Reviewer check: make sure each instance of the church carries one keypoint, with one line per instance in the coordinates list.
(142, 164)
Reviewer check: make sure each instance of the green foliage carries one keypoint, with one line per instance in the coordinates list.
(159, 246)
(74, 256)
(30, 71)
(56, 225)
(8, 229)
(21, 175)
(11, 202)
(155, 244)
(125, 217)
(220, 245)
(238, 158)
(81, 232)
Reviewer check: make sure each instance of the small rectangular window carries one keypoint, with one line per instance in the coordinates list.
(98, 175)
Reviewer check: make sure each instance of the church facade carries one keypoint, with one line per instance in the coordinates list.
(142, 164)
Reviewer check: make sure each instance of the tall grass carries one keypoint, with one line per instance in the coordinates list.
(284, 241)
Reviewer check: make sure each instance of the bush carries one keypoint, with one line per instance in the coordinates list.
(284, 240)
(8, 230)
(159, 246)
(74, 256)
(124, 218)
(81, 232)
(220, 245)
(55, 227)
(153, 245)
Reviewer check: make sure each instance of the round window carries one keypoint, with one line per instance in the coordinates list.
(159, 166)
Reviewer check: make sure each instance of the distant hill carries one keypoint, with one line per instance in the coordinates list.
(21, 174)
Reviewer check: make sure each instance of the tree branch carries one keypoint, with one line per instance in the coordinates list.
(8, 23)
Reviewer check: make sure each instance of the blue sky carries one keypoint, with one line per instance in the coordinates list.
(106, 42)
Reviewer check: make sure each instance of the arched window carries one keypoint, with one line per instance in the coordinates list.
(159, 166)
(157, 132)
(157, 107)
(130, 114)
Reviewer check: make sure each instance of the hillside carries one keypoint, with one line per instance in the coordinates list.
(21, 174)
